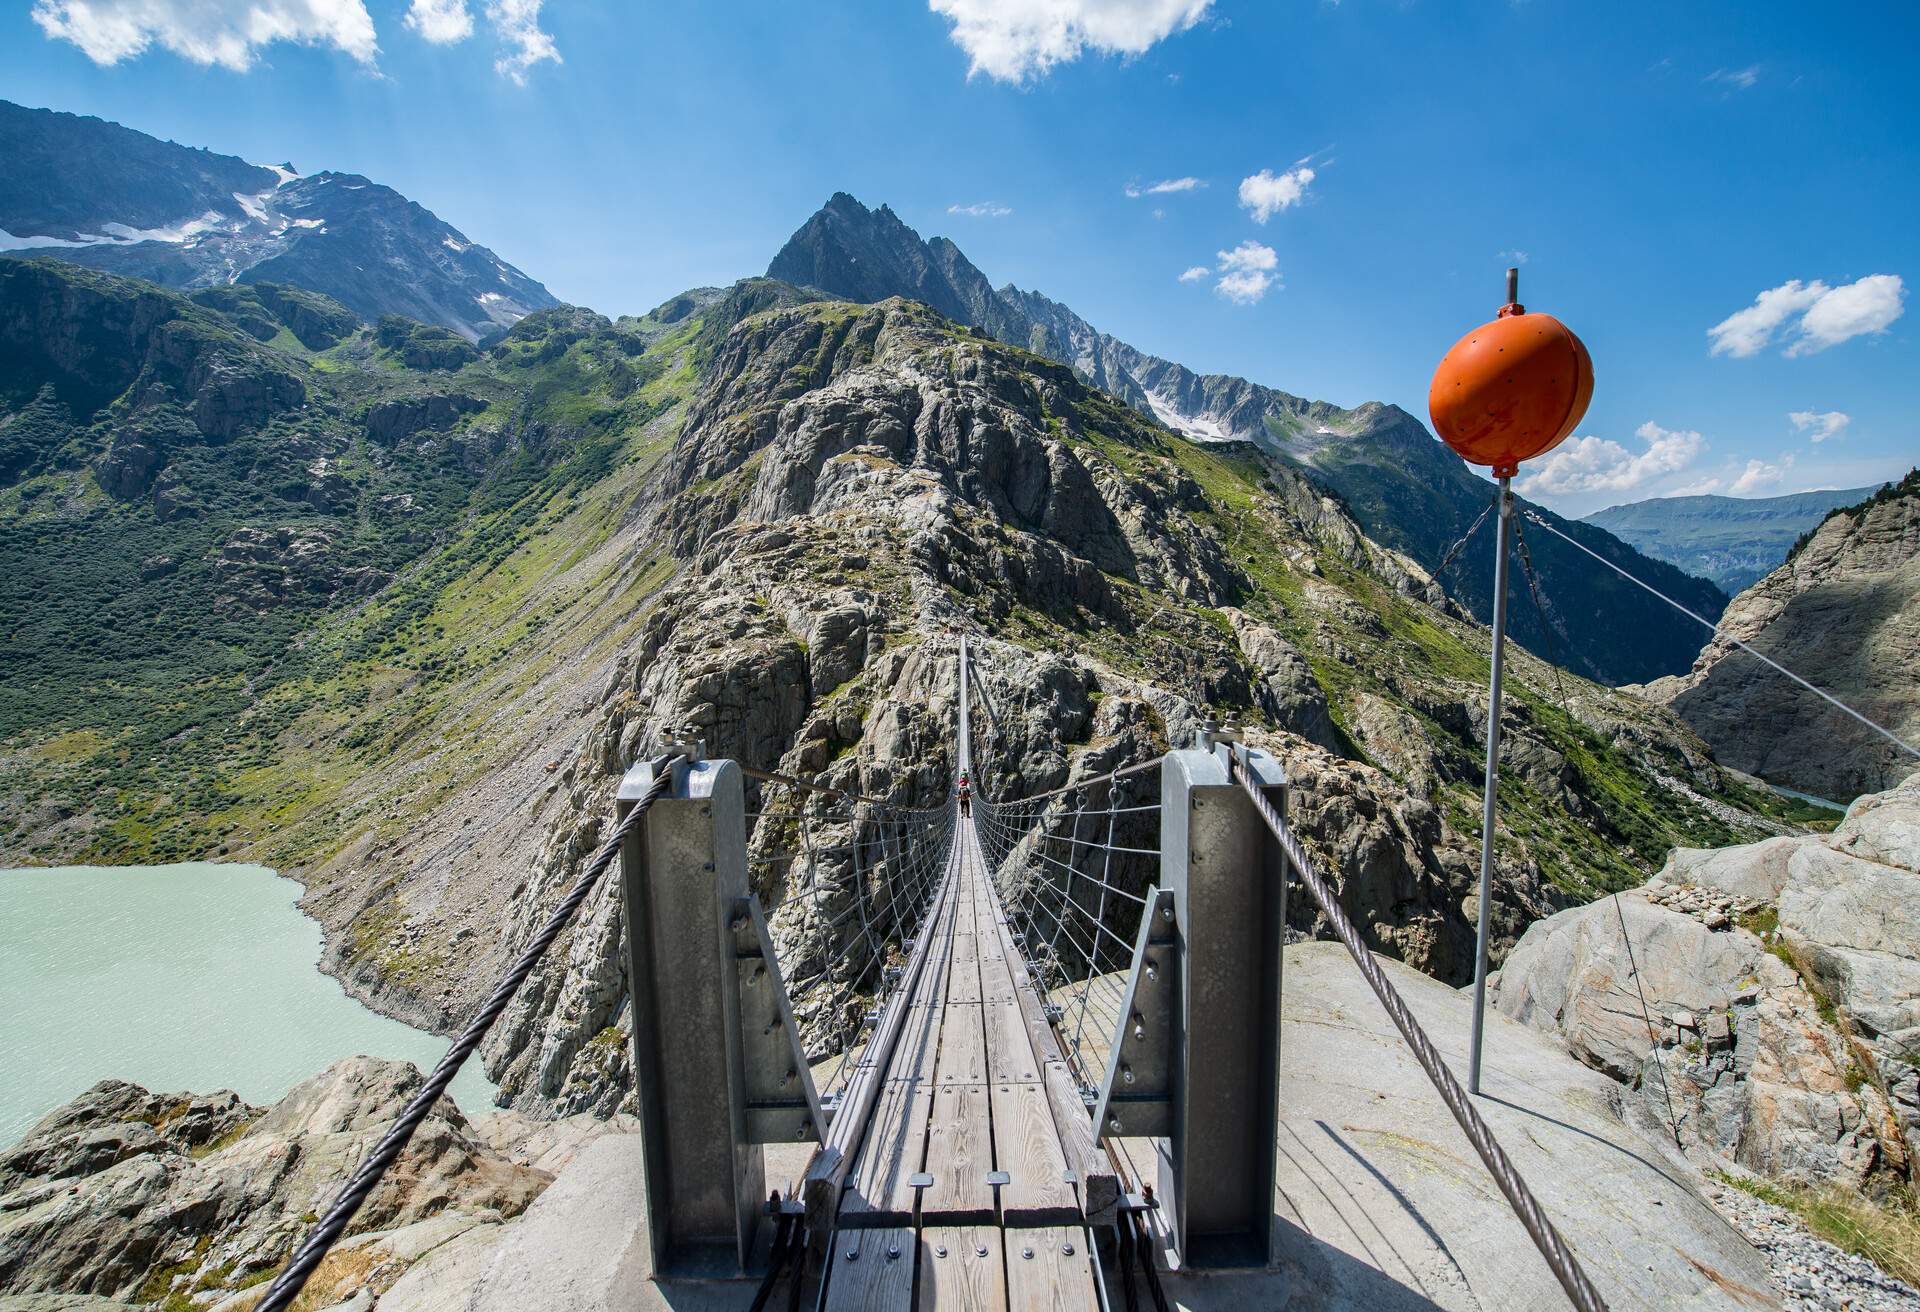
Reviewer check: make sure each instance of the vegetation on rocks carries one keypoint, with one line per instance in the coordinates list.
(411, 605)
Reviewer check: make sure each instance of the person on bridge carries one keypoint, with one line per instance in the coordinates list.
(965, 794)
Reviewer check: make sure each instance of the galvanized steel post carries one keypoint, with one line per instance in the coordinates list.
(1208, 960)
(712, 1085)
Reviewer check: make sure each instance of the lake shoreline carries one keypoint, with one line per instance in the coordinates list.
(195, 976)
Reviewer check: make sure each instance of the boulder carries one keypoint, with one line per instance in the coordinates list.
(129, 1195)
(1781, 986)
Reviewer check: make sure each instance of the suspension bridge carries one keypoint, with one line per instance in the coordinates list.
(1018, 1054)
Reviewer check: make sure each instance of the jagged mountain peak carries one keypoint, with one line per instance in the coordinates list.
(104, 195)
(1406, 490)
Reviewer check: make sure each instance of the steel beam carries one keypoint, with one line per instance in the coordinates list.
(712, 1084)
(1224, 880)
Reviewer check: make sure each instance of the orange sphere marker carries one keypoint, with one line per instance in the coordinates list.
(1511, 389)
(1508, 391)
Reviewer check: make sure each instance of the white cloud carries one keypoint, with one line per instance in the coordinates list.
(1821, 316)
(1248, 272)
(1161, 188)
(517, 23)
(1264, 195)
(1014, 40)
(1244, 286)
(1515, 257)
(1197, 273)
(1866, 306)
(985, 209)
(1249, 255)
(1759, 475)
(442, 22)
(224, 32)
(1820, 427)
(1595, 464)
(1740, 79)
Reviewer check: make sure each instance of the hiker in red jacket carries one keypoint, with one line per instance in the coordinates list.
(965, 795)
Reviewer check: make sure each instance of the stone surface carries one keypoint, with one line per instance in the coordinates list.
(1385, 1205)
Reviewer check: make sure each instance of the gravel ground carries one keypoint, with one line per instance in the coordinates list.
(1812, 1274)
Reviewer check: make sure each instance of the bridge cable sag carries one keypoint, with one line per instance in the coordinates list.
(1565, 1266)
(321, 1239)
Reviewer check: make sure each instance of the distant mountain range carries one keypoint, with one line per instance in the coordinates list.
(1735, 541)
(104, 195)
(1406, 490)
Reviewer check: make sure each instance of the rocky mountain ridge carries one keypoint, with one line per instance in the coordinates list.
(752, 511)
(1403, 488)
(851, 482)
(1844, 611)
(1734, 541)
(115, 199)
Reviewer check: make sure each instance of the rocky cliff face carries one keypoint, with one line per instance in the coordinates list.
(853, 484)
(187, 1200)
(1404, 489)
(1844, 612)
(103, 195)
(753, 511)
(1758, 1002)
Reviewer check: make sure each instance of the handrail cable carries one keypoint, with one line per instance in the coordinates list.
(322, 1237)
(1882, 730)
(1565, 1266)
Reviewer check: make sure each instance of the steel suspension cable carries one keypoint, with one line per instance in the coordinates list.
(1565, 1266)
(321, 1239)
(1884, 732)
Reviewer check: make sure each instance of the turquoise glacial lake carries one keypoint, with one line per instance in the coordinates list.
(190, 977)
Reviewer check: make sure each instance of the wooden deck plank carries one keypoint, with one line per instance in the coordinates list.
(877, 1191)
(1009, 1046)
(962, 1269)
(963, 1046)
(870, 1280)
(1026, 1145)
(959, 1155)
(1057, 1277)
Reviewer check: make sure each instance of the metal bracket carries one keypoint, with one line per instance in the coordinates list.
(782, 1104)
(1136, 1096)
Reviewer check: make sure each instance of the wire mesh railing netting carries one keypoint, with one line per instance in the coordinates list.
(1074, 868)
(846, 883)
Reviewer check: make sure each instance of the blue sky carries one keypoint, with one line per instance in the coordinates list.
(1661, 166)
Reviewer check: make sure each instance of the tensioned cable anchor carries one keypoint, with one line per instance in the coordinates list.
(1566, 1268)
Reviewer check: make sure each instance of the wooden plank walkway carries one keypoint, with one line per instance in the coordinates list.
(975, 1087)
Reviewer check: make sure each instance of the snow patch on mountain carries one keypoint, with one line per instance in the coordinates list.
(1199, 428)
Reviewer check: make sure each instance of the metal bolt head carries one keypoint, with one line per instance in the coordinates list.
(1026, 1252)
(939, 1250)
(1113, 1123)
(1066, 1249)
(853, 1255)
(1126, 1073)
(893, 1251)
(979, 1250)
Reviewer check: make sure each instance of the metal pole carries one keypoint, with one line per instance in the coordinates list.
(1493, 772)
